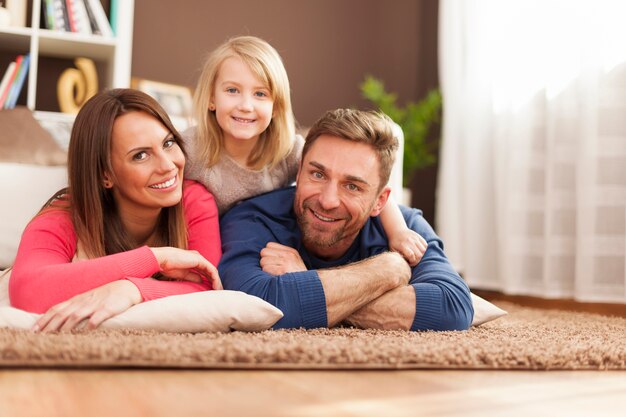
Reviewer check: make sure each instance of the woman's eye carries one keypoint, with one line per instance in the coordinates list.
(140, 156)
(169, 143)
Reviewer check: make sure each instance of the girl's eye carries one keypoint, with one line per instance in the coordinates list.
(140, 156)
(231, 90)
(261, 94)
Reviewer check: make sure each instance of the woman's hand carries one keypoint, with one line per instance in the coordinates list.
(96, 306)
(410, 245)
(277, 259)
(187, 265)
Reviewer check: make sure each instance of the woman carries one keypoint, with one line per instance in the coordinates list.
(126, 230)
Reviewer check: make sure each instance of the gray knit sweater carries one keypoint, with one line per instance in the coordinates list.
(230, 183)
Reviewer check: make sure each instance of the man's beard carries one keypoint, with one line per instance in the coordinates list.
(312, 237)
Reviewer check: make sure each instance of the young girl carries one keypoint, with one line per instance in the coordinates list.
(126, 216)
(245, 142)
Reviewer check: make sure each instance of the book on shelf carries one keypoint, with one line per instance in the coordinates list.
(57, 9)
(114, 10)
(92, 19)
(71, 19)
(7, 79)
(47, 14)
(79, 21)
(78, 16)
(14, 68)
(100, 17)
(18, 82)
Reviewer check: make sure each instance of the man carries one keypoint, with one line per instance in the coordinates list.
(319, 253)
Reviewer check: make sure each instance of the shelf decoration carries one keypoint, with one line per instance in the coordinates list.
(77, 85)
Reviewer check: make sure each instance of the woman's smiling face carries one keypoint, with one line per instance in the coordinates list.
(147, 165)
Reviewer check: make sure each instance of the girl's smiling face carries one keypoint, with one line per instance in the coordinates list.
(243, 104)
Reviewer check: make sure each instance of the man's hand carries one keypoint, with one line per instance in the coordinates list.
(350, 287)
(394, 310)
(96, 305)
(277, 259)
(409, 244)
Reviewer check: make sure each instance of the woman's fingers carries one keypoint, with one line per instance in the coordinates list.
(96, 305)
(98, 317)
(210, 271)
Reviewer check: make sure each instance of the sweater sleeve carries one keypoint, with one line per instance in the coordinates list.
(203, 236)
(44, 274)
(442, 298)
(300, 296)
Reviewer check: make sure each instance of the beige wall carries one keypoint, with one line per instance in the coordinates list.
(328, 47)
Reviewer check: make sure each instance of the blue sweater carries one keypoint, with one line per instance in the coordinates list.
(442, 299)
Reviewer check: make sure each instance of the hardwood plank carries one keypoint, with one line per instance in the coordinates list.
(117, 393)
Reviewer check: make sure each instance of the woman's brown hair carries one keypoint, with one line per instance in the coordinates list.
(93, 209)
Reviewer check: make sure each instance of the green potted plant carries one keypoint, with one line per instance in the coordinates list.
(415, 119)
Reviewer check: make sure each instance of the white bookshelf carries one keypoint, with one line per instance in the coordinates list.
(115, 53)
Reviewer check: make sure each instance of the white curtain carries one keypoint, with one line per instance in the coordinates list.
(531, 196)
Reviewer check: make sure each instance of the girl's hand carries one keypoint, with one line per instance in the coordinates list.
(187, 265)
(277, 259)
(410, 245)
(95, 305)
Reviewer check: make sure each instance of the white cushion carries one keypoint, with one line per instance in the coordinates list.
(24, 189)
(484, 311)
(206, 311)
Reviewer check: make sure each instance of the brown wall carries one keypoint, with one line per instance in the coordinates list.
(328, 47)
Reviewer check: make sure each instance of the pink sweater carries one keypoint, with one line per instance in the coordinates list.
(44, 275)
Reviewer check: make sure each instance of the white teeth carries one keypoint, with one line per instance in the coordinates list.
(326, 219)
(165, 184)
(237, 119)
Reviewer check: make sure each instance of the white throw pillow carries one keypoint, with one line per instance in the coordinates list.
(484, 311)
(205, 311)
(24, 189)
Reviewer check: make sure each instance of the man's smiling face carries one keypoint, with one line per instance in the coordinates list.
(337, 190)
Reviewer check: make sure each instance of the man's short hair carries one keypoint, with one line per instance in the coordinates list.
(370, 127)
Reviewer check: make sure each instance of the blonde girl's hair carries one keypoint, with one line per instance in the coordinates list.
(95, 217)
(277, 140)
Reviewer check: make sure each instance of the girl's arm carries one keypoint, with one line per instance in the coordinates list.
(403, 240)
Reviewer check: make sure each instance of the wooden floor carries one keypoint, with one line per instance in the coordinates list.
(121, 393)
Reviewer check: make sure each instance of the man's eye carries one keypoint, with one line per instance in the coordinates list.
(318, 175)
(140, 156)
(353, 187)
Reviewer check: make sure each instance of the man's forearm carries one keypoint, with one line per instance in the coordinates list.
(349, 288)
(394, 310)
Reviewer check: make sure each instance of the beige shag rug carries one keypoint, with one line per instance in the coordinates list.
(525, 339)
